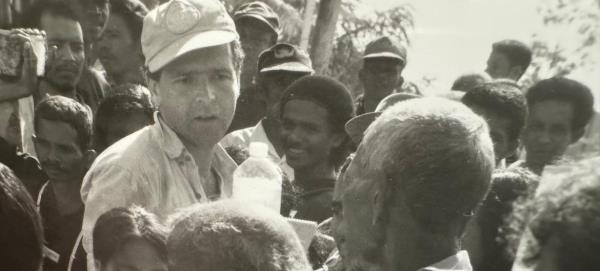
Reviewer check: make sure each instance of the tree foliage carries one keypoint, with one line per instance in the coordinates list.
(353, 32)
(356, 31)
(579, 17)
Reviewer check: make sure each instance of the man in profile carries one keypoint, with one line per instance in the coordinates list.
(394, 211)
(509, 60)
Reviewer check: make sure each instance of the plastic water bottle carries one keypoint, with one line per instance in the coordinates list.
(258, 179)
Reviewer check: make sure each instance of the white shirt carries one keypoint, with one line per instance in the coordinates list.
(243, 137)
(150, 168)
(459, 261)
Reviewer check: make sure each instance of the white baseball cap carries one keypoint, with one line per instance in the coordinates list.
(181, 26)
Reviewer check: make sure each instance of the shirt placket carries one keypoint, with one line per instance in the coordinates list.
(190, 170)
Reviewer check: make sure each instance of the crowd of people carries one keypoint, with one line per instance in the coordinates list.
(121, 155)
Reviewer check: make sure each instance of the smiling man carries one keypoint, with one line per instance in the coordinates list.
(313, 112)
(403, 202)
(192, 52)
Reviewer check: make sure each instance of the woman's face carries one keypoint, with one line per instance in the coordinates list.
(135, 255)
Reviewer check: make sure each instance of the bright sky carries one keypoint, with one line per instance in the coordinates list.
(455, 36)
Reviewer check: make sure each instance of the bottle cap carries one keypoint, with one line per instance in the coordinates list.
(258, 149)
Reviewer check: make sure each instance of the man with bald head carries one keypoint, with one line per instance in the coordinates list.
(404, 200)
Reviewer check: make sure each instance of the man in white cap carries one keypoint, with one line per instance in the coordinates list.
(193, 58)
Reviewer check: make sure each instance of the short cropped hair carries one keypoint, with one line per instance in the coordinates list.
(117, 226)
(503, 99)
(59, 8)
(518, 53)
(20, 227)
(132, 12)
(468, 81)
(60, 108)
(567, 90)
(230, 235)
(437, 154)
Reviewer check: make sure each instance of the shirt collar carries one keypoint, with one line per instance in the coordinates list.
(169, 141)
(459, 261)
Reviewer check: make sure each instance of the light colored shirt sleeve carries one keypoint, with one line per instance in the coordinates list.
(106, 187)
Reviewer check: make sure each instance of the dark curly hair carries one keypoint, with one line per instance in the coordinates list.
(518, 53)
(563, 89)
(59, 108)
(503, 99)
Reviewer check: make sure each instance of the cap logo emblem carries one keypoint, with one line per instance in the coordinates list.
(284, 52)
(181, 17)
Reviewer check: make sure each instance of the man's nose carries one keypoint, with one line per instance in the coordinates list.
(544, 137)
(206, 92)
(66, 53)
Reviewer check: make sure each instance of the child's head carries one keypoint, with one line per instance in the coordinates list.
(129, 238)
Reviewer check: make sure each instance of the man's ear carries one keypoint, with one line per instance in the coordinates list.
(513, 145)
(89, 157)
(154, 90)
(97, 265)
(338, 139)
(516, 72)
(577, 134)
(381, 199)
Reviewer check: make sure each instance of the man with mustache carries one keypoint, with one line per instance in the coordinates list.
(193, 57)
(404, 200)
(559, 111)
(119, 47)
(66, 53)
(381, 72)
(63, 132)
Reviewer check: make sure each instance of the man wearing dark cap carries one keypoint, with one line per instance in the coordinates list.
(278, 67)
(381, 73)
(509, 59)
(258, 27)
(193, 57)
(314, 110)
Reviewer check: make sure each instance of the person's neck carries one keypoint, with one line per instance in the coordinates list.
(308, 178)
(67, 196)
(272, 128)
(535, 167)
(130, 76)
(371, 99)
(202, 155)
(422, 250)
(50, 89)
